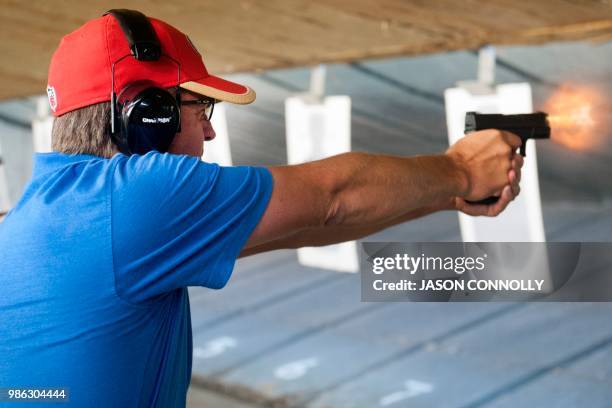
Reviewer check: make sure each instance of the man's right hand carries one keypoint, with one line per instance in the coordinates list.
(485, 158)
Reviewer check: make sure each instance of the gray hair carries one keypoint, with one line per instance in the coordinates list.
(84, 131)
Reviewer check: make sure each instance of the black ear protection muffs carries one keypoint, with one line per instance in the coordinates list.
(144, 117)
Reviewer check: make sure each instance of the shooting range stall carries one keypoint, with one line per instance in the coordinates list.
(298, 333)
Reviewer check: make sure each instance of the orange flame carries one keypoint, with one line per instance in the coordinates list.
(574, 113)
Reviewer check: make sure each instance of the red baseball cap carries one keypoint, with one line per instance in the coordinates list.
(80, 69)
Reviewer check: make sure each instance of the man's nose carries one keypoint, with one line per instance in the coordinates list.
(209, 132)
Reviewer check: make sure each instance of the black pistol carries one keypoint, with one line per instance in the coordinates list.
(526, 126)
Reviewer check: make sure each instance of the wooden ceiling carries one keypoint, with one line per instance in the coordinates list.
(249, 36)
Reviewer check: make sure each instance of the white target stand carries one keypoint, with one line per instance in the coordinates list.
(522, 220)
(318, 127)
(218, 151)
(42, 125)
(16, 150)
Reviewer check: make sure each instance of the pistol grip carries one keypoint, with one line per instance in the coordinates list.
(486, 201)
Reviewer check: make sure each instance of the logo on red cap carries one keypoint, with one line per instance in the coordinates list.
(52, 97)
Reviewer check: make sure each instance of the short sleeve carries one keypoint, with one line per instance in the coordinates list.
(178, 221)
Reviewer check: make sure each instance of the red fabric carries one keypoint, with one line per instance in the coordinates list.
(223, 84)
(80, 69)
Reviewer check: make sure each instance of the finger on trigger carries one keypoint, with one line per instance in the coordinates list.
(512, 139)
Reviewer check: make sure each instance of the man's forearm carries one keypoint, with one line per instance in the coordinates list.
(333, 234)
(375, 189)
(370, 193)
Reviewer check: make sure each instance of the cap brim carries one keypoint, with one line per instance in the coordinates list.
(221, 89)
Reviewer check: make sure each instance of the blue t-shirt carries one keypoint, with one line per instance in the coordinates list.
(94, 264)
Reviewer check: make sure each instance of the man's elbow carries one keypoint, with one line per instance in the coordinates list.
(333, 193)
(342, 197)
(334, 214)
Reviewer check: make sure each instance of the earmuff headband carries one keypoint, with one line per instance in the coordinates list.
(139, 33)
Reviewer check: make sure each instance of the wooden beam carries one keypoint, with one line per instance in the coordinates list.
(248, 35)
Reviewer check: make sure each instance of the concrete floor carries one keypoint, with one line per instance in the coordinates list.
(201, 398)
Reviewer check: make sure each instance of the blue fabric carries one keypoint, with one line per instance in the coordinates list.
(94, 264)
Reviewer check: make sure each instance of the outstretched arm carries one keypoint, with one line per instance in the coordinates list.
(355, 194)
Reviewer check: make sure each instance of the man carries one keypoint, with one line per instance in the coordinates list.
(99, 251)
